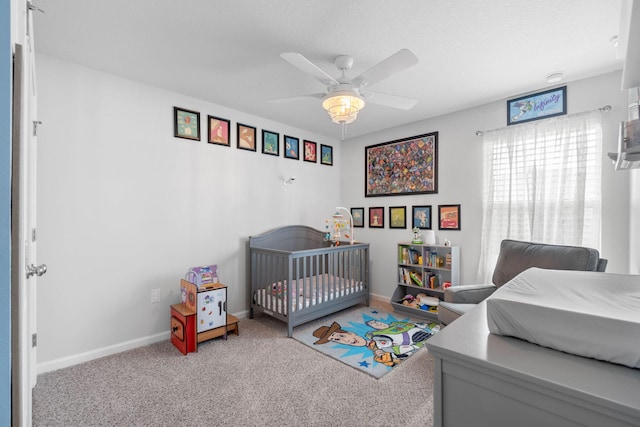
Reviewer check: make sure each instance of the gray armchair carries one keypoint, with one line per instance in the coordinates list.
(515, 257)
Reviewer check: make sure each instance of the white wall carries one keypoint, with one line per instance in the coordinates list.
(634, 228)
(460, 180)
(124, 207)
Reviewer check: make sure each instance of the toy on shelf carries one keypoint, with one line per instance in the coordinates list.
(410, 301)
(421, 302)
(336, 225)
(417, 236)
(203, 275)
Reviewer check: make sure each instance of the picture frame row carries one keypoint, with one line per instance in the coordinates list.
(448, 217)
(187, 126)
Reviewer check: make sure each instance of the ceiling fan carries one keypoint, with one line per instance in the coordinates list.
(346, 96)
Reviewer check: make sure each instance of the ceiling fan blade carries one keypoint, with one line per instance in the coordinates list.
(298, 98)
(394, 101)
(384, 69)
(302, 63)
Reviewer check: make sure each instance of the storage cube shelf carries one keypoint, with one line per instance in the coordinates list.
(424, 269)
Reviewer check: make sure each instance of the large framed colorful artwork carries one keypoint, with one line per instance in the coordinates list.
(403, 166)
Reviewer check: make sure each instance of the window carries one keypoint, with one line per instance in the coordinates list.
(541, 183)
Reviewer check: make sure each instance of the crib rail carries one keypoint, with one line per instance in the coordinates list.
(302, 285)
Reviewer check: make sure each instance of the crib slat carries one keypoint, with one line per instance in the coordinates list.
(297, 285)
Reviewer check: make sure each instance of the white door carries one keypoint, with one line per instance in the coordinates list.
(32, 268)
(24, 189)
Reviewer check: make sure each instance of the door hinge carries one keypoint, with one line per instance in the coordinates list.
(32, 6)
(34, 340)
(33, 235)
(36, 123)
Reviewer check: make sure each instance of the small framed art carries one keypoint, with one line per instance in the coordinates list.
(397, 217)
(219, 131)
(310, 151)
(246, 137)
(186, 124)
(291, 147)
(421, 217)
(541, 105)
(358, 217)
(270, 143)
(449, 217)
(326, 155)
(376, 217)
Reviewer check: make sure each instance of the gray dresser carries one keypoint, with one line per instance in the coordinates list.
(482, 379)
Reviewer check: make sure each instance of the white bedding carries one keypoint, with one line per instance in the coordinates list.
(590, 314)
(305, 292)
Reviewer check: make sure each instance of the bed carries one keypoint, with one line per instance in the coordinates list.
(296, 276)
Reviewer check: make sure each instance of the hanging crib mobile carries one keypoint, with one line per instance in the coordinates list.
(338, 227)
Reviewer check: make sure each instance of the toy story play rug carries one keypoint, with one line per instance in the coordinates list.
(367, 339)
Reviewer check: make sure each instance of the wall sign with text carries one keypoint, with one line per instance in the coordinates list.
(541, 105)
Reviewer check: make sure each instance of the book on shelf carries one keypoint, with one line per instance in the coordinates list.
(429, 278)
(414, 256)
(405, 256)
(410, 277)
(404, 276)
(409, 256)
(416, 279)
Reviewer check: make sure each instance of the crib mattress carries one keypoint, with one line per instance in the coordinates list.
(305, 292)
(589, 314)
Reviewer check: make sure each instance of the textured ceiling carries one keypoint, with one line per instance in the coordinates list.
(227, 52)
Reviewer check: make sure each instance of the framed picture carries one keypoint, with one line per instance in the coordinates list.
(310, 151)
(219, 129)
(421, 217)
(358, 217)
(449, 217)
(376, 217)
(270, 143)
(397, 217)
(541, 105)
(186, 124)
(291, 147)
(403, 166)
(246, 137)
(326, 154)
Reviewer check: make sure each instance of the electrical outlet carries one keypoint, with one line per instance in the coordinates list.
(155, 296)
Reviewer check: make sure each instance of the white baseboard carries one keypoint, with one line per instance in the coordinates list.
(381, 298)
(76, 359)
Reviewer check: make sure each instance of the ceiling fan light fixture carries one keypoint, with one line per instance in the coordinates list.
(343, 106)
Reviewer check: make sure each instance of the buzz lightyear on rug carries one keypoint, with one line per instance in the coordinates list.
(422, 302)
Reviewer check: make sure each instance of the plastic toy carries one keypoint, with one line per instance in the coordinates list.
(417, 236)
(410, 301)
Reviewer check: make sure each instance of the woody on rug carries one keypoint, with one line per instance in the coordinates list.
(367, 339)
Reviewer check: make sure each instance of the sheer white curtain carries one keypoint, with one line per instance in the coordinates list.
(541, 183)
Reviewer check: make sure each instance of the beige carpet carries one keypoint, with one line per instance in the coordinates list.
(258, 378)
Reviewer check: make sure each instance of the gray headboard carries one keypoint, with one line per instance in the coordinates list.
(290, 238)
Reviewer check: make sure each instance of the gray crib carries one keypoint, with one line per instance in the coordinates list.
(296, 276)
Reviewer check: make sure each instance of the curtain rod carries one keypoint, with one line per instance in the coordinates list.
(604, 109)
